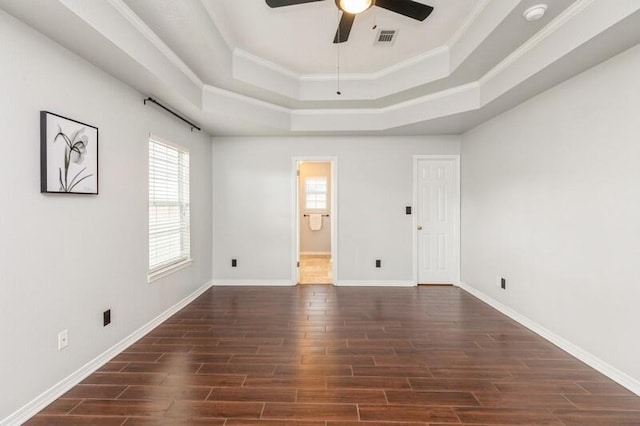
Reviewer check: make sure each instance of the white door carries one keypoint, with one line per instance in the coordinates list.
(437, 215)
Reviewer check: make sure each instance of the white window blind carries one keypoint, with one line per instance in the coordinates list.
(169, 233)
(316, 193)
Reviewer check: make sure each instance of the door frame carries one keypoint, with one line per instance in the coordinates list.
(456, 214)
(295, 211)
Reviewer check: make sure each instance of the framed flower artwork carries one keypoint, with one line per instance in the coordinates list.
(68, 155)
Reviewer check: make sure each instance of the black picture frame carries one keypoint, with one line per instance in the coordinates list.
(68, 155)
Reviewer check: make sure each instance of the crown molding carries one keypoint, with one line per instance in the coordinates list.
(148, 33)
(221, 102)
(259, 61)
(248, 67)
(119, 26)
(221, 24)
(385, 72)
(580, 23)
(583, 21)
(254, 70)
(416, 71)
(468, 22)
(233, 96)
(451, 101)
(538, 38)
(484, 20)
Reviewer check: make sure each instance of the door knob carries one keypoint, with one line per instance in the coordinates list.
(419, 227)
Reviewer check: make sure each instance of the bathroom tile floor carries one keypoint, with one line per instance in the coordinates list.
(315, 269)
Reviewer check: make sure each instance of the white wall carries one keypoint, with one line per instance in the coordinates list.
(253, 219)
(65, 259)
(315, 242)
(551, 202)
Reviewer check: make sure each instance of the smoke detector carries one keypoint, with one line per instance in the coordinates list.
(535, 13)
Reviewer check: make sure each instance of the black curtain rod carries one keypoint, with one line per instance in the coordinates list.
(193, 126)
(324, 215)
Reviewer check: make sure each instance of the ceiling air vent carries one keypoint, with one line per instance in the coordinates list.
(386, 37)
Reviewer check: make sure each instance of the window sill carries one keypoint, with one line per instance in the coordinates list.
(168, 270)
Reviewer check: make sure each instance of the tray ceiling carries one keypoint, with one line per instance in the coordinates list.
(241, 68)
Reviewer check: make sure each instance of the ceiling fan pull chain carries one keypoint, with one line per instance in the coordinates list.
(375, 17)
(338, 92)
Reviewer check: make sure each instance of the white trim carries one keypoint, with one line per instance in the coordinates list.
(574, 27)
(171, 266)
(262, 283)
(316, 253)
(168, 270)
(152, 37)
(588, 358)
(221, 23)
(333, 213)
(334, 218)
(375, 283)
(331, 77)
(414, 222)
(329, 111)
(544, 48)
(456, 202)
(429, 66)
(228, 94)
(295, 222)
(468, 22)
(443, 94)
(47, 397)
(385, 72)
(170, 144)
(537, 39)
(264, 63)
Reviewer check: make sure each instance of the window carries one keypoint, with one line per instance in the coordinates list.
(316, 193)
(169, 233)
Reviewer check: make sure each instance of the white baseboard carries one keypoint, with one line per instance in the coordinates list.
(315, 253)
(375, 283)
(263, 283)
(588, 358)
(47, 397)
(344, 283)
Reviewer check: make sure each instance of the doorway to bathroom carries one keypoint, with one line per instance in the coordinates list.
(315, 220)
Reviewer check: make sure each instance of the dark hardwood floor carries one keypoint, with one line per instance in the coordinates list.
(329, 356)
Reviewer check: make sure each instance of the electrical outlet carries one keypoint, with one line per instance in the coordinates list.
(503, 283)
(378, 263)
(106, 318)
(63, 339)
(234, 263)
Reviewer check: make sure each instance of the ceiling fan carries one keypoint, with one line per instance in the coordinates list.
(350, 8)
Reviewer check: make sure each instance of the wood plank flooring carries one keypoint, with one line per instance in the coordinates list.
(334, 356)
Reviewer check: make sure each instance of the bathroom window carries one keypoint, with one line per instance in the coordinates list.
(316, 193)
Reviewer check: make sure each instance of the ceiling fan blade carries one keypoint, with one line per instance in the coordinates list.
(408, 8)
(281, 3)
(344, 27)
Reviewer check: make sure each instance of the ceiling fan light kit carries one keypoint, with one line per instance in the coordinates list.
(350, 8)
(354, 6)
